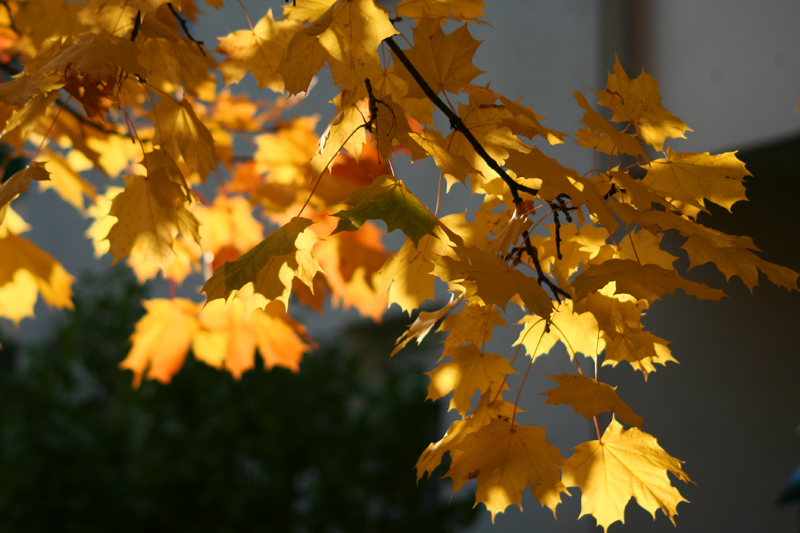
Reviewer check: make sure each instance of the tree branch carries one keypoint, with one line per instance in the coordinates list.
(457, 124)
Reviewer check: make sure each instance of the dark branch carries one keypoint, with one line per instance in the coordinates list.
(136, 24)
(186, 29)
(543, 279)
(457, 124)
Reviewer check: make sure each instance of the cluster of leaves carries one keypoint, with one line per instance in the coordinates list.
(84, 452)
(578, 252)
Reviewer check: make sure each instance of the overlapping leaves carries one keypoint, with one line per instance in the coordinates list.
(579, 252)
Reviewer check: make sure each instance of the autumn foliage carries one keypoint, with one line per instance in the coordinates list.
(121, 87)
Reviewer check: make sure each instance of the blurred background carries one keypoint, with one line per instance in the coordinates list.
(731, 71)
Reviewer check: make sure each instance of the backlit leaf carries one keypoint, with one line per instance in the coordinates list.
(623, 464)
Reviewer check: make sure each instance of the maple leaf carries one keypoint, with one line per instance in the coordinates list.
(638, 101)
(307, 10)
(640, 348)
(490, 407)
(173, 59)
(181, 133)
(578, 331)
(471, 370)
(737, 261)
(504, 457)
(455, 167)
(226, 338)
(691, 177)
(465, 11)
(162, 339)
(444, 61)
(228, 222)
(590, 397)
(730, 254)
(407, 275)
(151, 211)
(644, 282)
(66, 180)
(389, 200)
(602, 135)
(422, 325)
(258, 51)
(623, 464)
(643, 247)
(27, 271)
(285, 154)
(20, 181)
(347, 36)
(270, 266)
(472, 325)
(487, 279)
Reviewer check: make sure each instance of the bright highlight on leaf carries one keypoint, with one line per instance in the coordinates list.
(623, 464)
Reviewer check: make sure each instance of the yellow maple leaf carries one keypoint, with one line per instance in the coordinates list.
(731, 254)
(307, 10)
(484, 122)
(150, 212)
(174, 61)
(20, 181)
(472, 325)
(601, 135)
(638, 101)
(623, 464)
(644, 282)
(504, 457)
(690, 178)
(347, 36)
(640, 348)
(270, 266)
(444, 61)
(456, 168)
(66, 180)
(407, 275)
(389, 200)
(578, 246)
(579, 332)
(180, 133)
(258, 51)
(490, 407)
(422, 325)
(228, 221)
(285, 154)
(487, 279)
(472, 369)
(521, 120)
(44, 276)
(162, 339)
(463, 10)
(643, 247)
(590, 397)
(737, 261)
